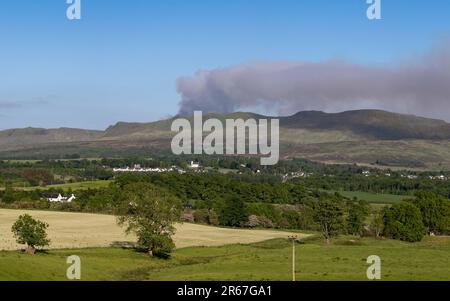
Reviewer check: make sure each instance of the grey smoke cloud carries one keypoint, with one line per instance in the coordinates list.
(419, 86)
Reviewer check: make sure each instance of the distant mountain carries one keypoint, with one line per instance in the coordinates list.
(370, 124)
(364, 136)
(19, 138)
(162, 127)
(375, 124)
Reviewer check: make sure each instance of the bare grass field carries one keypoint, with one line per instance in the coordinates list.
(83, 230)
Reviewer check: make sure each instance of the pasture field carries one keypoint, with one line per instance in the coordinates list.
(344, 259)
(61, 160)
(73, 186)
(373, 198)
(83, 230)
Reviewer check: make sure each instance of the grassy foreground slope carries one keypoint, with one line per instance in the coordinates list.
(345, 259)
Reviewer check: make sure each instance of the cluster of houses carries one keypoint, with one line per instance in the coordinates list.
(59, 198)
(440, 177)
(295, 174)
(411, 177)
(368, 173)
(139, 168)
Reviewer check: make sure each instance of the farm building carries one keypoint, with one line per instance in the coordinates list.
(194, 164)
(60, 198)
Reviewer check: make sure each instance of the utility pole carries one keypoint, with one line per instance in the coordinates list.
(294, 239)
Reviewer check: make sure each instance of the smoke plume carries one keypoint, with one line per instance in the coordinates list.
(420, 86)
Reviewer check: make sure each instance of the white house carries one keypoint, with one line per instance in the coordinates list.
(138, 168)
(195, 164)
(60, 198)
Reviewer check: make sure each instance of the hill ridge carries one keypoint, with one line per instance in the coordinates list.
(373, 123)
(364, 136)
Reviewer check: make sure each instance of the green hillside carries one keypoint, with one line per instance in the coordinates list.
(363, 136)
(374, 124)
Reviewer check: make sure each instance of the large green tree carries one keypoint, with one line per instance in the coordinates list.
(435, 211)
(150, 212)
(403, 221)
(357, 214)
(377, 222)
(31, 232)
(234, 212)
(328, 214)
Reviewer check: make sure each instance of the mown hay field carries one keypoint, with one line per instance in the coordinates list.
(83, 230)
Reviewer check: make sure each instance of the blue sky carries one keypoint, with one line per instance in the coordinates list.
(120, 62)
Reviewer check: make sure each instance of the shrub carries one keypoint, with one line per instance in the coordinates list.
(259, 221)
(265, 222)
(187, 217)
(403, 221)
(271, 212)
(306, 219)
(253, 221)
(206, 216)
(201, 216)
(213, 218)
(290, 219)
